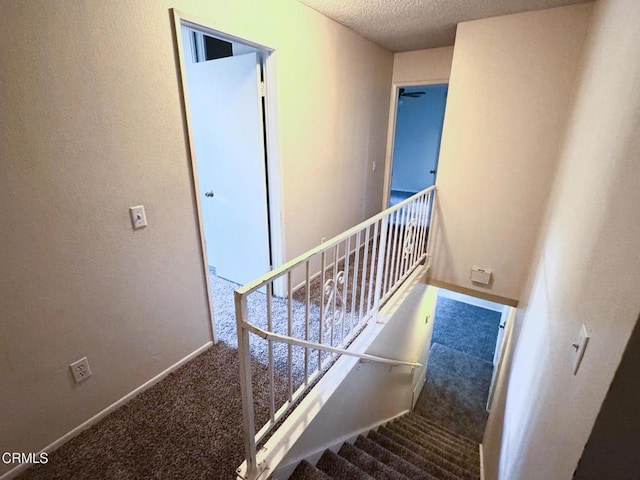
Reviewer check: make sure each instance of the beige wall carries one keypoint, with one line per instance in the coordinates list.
(511, 86)
(92, 124)
(587, 269)
(430, 65)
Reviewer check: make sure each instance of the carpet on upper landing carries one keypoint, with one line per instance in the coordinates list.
(466, 328)
(335, 328)
(455, 393)
(188, 426)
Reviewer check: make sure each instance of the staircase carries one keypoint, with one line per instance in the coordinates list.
(410, 447)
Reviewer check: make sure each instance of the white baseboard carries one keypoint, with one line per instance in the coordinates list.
(100, 415)
(482, 477)
(475, 301)
(286, 470)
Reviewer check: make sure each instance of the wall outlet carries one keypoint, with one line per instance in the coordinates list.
(138, 217)
(374, 166)
(80, 370)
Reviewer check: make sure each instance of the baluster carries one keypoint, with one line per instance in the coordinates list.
(306, 320)
(272, 394)
(374, 253)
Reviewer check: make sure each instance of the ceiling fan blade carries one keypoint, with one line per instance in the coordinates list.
(412, 94)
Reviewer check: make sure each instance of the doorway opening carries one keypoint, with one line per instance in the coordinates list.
(466, 352)
(415, 139)
(230, 115)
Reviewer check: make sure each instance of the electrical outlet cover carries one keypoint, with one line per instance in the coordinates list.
(80, 370)
(480, 275)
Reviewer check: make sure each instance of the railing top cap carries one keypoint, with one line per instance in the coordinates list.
(284, 268)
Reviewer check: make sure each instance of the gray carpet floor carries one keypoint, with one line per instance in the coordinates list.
(466, 328)
(181, 428)
(335, 329)
(189, 426)
(460, 367)
(455, 393)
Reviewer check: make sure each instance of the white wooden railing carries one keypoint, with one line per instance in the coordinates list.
(332, 292)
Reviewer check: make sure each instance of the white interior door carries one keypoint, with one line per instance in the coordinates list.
(226, 116)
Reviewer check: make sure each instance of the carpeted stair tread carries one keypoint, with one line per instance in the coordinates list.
(429, 438)
(410, 421)
(429, 424)
(394, 461)
(369, 464)
(419, 461)
(339, 468)
(306, 471)
(431, 455)
(459, 456)
(408, 448)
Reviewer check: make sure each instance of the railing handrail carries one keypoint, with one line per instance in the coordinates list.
(276, 272)
(385, 249)
(319, 346)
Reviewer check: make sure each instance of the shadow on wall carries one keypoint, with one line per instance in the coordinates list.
(612, 448)
(442, 260)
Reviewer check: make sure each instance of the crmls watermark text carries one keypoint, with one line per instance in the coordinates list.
(15, 457)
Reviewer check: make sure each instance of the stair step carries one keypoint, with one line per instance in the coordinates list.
(339, 468)
(394, 461)
(431, 455)
(419, 461)
(429, 424)
(369, 464)
(456, 455)
(431, 437)
(306, 471)
(411, 447)
(437, 433)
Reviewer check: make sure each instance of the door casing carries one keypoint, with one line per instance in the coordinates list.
(274, 179)
(391, 131)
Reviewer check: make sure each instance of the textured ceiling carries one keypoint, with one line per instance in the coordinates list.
(402, 25)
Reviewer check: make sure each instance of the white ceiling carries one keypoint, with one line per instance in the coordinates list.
(402, 25)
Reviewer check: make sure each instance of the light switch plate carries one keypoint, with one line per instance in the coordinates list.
(138, 217)
(579, 348)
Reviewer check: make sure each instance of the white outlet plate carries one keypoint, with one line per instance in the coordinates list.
(579, 347)
(480, 275)
(81, 370)
(138, 217)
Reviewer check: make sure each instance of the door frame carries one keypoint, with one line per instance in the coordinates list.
(507, 321)
(273, 172)
(391, 131)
